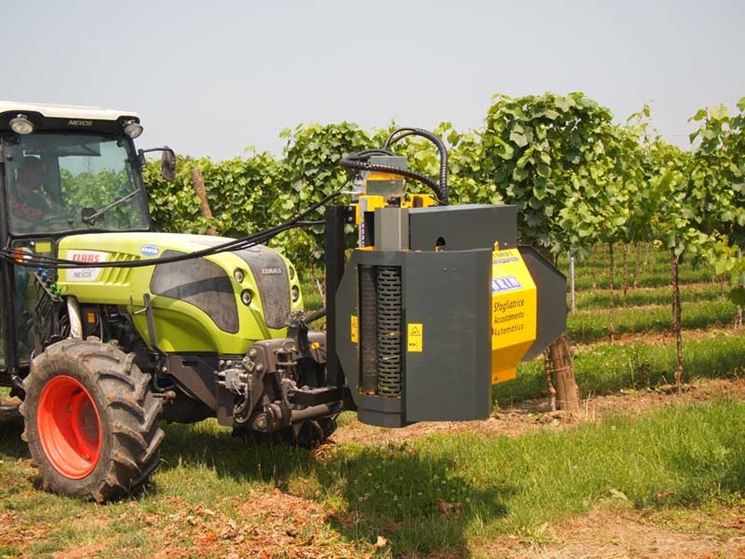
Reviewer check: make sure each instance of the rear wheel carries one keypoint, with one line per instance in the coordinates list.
(91, 420)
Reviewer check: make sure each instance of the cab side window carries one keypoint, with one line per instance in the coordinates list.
(28, 201)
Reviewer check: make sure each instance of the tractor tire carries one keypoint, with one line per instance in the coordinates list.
(91, 421)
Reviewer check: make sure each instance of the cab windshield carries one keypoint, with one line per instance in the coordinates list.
(58, 183)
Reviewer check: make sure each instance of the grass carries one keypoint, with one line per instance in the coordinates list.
(659, 278)
(594, 325)
(610, 367)
(512, 486)
(691, 293)
(440, 493)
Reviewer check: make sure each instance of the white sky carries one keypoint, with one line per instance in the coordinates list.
(210, 78)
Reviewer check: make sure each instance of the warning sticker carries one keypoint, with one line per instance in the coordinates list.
(354, 331)
(415, 336)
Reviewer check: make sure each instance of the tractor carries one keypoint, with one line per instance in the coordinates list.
(109, 329)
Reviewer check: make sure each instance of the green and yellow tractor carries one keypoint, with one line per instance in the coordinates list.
(108, 329)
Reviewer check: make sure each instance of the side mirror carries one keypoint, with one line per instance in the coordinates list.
(168, 164)
(167, 161)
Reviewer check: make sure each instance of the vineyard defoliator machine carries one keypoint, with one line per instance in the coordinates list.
(107, 328)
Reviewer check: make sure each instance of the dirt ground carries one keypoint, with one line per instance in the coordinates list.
(277, 525)
(533, 415)
(628, 534)
(661, 337)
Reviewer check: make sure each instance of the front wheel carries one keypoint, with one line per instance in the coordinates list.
(91, 420)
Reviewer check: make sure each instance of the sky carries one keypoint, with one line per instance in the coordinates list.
(212, 78)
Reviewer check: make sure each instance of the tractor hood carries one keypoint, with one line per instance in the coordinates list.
(243, 295)
(139, 244)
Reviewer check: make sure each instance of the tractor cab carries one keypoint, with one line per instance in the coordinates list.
(60, 183)
(63, 171)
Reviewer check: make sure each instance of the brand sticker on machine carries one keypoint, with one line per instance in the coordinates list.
(271, 271)
(354, 329)
(149, 250)
(505, 283)
(85, 257)
(415, 337)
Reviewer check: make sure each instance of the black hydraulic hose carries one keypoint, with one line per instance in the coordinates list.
(401, 133)
(352, 162)
(368, 152)
(315, 315)
(312, 412)
(31, 260)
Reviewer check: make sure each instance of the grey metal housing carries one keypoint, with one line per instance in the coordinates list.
(445, 278)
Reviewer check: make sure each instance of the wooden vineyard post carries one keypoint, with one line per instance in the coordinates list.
(677, 322)
(611, 323)
(572, 291)
(197, 180)
(562, 385)
(625, 280)
(738, 314)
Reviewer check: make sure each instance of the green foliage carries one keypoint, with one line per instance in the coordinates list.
(577, 178)
(552, 156)
(96, 190)
(242, 193)
(309, 171)
(717, 177)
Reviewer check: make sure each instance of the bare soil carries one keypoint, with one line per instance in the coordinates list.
(266, 524)
(628, 534)
(661, 337)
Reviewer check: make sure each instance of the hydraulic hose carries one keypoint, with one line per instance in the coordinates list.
(360, 161)
(352, 162)
(401, 133)
(31, 260)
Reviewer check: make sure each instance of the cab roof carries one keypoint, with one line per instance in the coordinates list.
(72, 112)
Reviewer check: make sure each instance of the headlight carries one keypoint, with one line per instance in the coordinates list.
(246, 297)
(239, 275)
(295, 293)
(21, 125)
(132, 129)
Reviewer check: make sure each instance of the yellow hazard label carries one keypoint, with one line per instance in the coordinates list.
(415, 336)
(354, 329)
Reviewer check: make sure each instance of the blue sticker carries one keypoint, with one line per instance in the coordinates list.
(505, 283)
(149, 250)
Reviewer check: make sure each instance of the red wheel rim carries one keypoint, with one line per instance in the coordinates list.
(69, 427)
